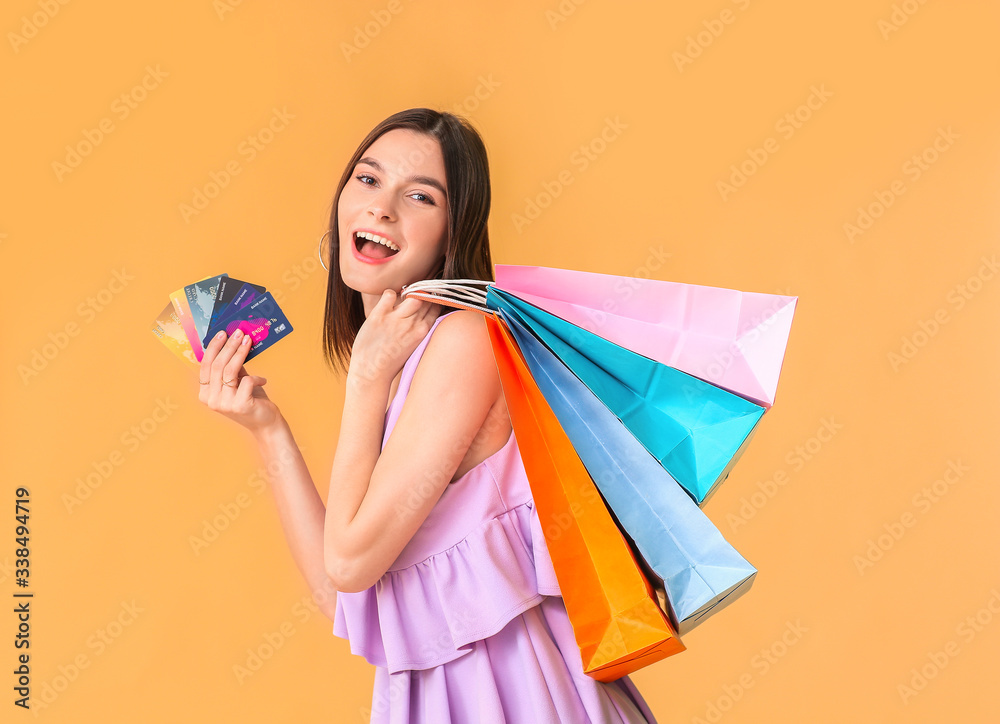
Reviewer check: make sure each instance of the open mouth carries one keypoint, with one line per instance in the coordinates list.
(374, 246)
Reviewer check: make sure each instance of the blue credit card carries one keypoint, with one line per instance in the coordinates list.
(228, 290)
(262, 320)
(246, 294)
(201, 299)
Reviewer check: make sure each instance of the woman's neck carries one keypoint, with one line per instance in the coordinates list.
(370, 300)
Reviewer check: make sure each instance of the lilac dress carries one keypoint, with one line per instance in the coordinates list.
(467, 625)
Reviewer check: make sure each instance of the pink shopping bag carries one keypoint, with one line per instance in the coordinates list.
(735, 340)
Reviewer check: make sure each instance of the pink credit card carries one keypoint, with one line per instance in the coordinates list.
(180, 302)
(255, 328)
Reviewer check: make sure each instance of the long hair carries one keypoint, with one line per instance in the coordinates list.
(467, 251)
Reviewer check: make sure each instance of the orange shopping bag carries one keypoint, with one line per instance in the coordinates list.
(616, 620)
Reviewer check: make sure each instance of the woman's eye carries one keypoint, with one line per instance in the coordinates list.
(419, 195)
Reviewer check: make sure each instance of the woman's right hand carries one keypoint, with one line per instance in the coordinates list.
(228, 388)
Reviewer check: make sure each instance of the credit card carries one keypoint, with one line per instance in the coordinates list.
(225, 294)
(180, 303)
(199, 310)
(246, 294)
(263, 321)
(168, 330)
(201, 300)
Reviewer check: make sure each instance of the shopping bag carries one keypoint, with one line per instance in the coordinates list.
(733, 339)
(700, 571)
(697, 431)
(617, 623)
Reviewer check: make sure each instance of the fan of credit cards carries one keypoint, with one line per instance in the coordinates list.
(201, 310)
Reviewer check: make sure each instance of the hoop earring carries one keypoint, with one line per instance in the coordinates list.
(319, 250)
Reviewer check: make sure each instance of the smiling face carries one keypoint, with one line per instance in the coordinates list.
(393, 214)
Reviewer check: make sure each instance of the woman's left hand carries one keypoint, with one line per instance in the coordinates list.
(389, 335)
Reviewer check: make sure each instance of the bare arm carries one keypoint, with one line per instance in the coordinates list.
(300, 508)
(378, 499)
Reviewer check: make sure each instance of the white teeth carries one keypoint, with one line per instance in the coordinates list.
(377, 239)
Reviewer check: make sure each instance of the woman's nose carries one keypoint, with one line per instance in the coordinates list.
(381, 207)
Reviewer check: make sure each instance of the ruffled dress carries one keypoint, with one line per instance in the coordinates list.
(468, 625)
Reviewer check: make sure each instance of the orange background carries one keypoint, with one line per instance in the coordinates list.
(866, 573)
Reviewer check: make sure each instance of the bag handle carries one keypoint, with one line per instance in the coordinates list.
(461, 293)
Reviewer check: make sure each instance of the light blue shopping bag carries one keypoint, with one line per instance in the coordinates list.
(700, 571)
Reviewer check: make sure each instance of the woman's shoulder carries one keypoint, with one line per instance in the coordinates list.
(459, 353)
(462, 333)
(461, 318)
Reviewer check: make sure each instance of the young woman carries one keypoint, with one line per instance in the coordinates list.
(429, 534)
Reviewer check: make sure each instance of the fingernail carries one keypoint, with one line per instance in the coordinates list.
(220, 334)
(238, 333)
(245, 341)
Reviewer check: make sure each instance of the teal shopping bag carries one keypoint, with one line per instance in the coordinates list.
(695, 430)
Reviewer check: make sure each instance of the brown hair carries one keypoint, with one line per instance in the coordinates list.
(467, 253)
